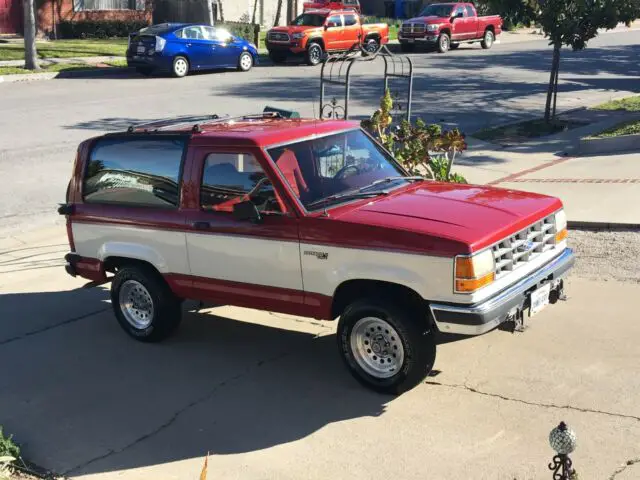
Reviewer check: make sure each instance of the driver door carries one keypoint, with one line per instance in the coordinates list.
(334, 33)
(254, 264)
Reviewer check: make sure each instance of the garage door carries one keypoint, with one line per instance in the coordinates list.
(10, 16)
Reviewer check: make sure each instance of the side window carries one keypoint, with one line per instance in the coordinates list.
(470, 11)
(192, 33)
(334, 21)
(459, 10)
(350, 20)
(135, 171)
(230, 178)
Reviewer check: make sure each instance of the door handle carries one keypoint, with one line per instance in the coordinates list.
(201, 225)
(188, 44)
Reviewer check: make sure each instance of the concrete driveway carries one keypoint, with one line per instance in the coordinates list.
(266, 394)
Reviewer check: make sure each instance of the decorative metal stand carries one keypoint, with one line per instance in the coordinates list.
(563, 440)
(336, 70)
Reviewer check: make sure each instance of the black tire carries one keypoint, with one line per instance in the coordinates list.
(417, 342)
(245, 62)
(488, 40)
(278, 57)
(166, 312)
(146, 71)
(371, 46)
(444, 43)
(407, 47)
(314, 54)
(180, 66)
(454, 46)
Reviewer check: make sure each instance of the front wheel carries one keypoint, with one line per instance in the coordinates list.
(444, 42)
(245, 62)
(180, 67)
(386, 347)
(488, 39)
(314, 54)
(144, 305)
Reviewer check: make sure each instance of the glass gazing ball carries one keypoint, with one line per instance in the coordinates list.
(562, 439)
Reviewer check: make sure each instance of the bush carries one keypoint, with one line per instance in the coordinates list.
(248, 31)
(7, 447)
(388, 21)
(99, 28)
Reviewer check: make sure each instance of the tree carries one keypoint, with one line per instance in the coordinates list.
(573, 23)
(210, 12)
(255, 10)
(276, 20)
(30, 29)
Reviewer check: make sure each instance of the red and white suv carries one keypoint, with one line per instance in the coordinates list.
(311, 218)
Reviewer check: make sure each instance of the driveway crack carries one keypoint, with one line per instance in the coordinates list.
(182, 410)
(535, 404)
(629, 463)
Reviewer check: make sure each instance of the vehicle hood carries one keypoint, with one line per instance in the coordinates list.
(477, 216)
(432, 20)
(294, 29)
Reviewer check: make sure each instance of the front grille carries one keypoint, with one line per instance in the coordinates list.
(413, 28)
(278, 37)
(515, 251)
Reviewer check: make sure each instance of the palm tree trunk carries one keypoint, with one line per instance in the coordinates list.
(30, 52)
(221, 11)
(555, 65)
(276, 20)
(210, 18)
(255, 9)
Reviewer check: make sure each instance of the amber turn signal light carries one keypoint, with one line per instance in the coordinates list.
(473, 284)
(561, 235)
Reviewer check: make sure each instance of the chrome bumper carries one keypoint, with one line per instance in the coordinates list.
(483, 317)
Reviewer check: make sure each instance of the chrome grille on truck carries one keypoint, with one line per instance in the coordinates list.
(278, 37)
(518, 249)
(413, 28)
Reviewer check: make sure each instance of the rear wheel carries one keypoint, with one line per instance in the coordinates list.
(144, 305)
(407, 47)
(180, 66)
(278, 57)
(371, 46)
(444, 42)
(314, 54)
(245, 62)
(488, 40)
(385, 346)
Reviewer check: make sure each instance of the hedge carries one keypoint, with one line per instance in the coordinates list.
(122, 28)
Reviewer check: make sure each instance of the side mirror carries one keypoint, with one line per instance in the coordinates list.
(326, 26)
(246, 210)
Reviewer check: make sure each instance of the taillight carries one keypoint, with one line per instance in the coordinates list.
(160, 43)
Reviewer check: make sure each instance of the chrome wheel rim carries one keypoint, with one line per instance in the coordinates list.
(246, 61)
(376, 347)
(180, 67)
(136, 304)
(488, 39)
(444, 42)
(371, 46)
(314, 54)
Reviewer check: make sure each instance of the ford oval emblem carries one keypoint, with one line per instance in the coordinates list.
(526, 246)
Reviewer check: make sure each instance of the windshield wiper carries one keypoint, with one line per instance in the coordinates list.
(388, 180)
(339, 196)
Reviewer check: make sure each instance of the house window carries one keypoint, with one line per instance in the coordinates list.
(86, 5)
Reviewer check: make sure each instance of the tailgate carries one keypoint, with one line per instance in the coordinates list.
(141, 44)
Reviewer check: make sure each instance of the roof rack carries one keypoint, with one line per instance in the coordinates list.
(198, 121)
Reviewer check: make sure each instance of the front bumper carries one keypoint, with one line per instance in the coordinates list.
(427, 39)
(292, 48)
(483, 317)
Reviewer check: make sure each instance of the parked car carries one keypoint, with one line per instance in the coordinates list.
(182, 48)
(317, 32)
(310, 218)
(332, 5)
(446, 25)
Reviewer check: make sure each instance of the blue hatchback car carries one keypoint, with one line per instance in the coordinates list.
(182, 48)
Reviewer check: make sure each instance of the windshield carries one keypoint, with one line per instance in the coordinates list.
(437, 10)
(309, 20)
(342, 165)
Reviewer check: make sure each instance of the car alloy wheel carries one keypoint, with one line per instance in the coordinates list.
(136, 304)
(488, 40)
(245, 62)
(376, 347)
(443, 43)
(314, 54)
(180, 67)
(371, 46)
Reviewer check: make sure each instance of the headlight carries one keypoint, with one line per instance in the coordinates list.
(297, 36)
(160, 43)
(561, 226)
(432, 28)
(253, 46)
(472, 272)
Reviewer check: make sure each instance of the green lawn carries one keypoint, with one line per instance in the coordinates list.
(67, 48)
(625, 128)
(630, 104)
(60, 67)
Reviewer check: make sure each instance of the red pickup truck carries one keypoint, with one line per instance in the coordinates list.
(447, 25)
(318, 31)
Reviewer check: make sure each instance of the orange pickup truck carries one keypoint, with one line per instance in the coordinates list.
(318, 31)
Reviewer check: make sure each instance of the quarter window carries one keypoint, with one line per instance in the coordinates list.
(134, 171)
(230, 178)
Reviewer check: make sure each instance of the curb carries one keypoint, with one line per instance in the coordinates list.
(603, 226)
(599, 145)
(80, 73)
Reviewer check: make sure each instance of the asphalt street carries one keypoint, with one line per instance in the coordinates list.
(41, 123)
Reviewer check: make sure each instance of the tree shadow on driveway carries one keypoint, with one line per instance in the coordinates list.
(85, 398)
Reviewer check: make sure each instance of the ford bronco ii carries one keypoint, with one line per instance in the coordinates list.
(311, 218)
